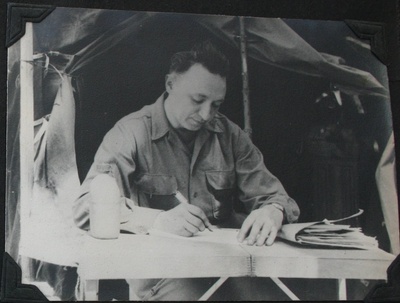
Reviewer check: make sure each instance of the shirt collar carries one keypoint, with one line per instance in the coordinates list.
(159, 121)
(160, 124)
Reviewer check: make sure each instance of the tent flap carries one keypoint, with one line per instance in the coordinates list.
(270, 40)
(386, 181)
(273, 42)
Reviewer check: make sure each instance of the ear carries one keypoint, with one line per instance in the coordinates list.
(169, 81)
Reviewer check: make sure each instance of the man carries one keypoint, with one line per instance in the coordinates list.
(182, 143)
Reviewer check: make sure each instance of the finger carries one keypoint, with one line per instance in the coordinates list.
(245, 228)
(265, 232)
(185, 233)
(199, 213)
(272, 235)
(195, 221)
(255, 231)
(190, 228)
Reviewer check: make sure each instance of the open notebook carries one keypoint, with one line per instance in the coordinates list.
(324, 233)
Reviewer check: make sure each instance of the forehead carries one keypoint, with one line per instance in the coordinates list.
(198, 80)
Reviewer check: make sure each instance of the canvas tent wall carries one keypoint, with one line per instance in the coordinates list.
(118, 60)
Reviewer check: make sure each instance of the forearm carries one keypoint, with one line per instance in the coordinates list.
(134, 219)
(137, 219)
(115, 157)
(289, 207)
(258, 187)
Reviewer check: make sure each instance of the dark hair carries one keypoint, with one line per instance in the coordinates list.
(204, 53)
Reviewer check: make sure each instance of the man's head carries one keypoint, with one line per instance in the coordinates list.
(196, 86)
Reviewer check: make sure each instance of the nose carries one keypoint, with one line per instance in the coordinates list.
(205, 112)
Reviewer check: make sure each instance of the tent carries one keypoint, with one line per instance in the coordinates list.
(89, 68)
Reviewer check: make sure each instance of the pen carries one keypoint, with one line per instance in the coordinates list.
(182, 199)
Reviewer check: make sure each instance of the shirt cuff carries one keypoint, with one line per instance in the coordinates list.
(291, 211)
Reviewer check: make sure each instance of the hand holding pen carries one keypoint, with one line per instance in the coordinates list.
(184, 220)
(182, 199)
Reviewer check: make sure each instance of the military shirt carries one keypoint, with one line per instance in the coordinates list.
(150, 163)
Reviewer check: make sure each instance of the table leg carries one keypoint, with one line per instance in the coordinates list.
(213, 289)
(342, 291)
(91, 290)
(285, 289)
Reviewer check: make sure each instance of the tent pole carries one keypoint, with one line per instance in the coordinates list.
(26, 143)
(245, 79)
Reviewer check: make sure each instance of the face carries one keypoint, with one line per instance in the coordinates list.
(194, 97)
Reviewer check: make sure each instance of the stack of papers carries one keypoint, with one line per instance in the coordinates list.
(326, 233)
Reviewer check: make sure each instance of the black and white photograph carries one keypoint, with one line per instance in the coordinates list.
(180, 157)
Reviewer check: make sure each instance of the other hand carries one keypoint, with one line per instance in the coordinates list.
(261, 226)
(184, 220)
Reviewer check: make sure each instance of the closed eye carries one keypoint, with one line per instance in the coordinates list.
(198, 101)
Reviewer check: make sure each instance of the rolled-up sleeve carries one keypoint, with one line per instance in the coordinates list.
(115, 157)
(257, 186)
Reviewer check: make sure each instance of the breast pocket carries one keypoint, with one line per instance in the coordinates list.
(157, 191)
(222, 185)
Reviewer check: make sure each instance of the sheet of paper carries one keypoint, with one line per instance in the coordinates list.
(221, 235)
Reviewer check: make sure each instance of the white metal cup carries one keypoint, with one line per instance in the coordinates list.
(104, 209)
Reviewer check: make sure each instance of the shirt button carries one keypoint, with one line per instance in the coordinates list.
(195, 195)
